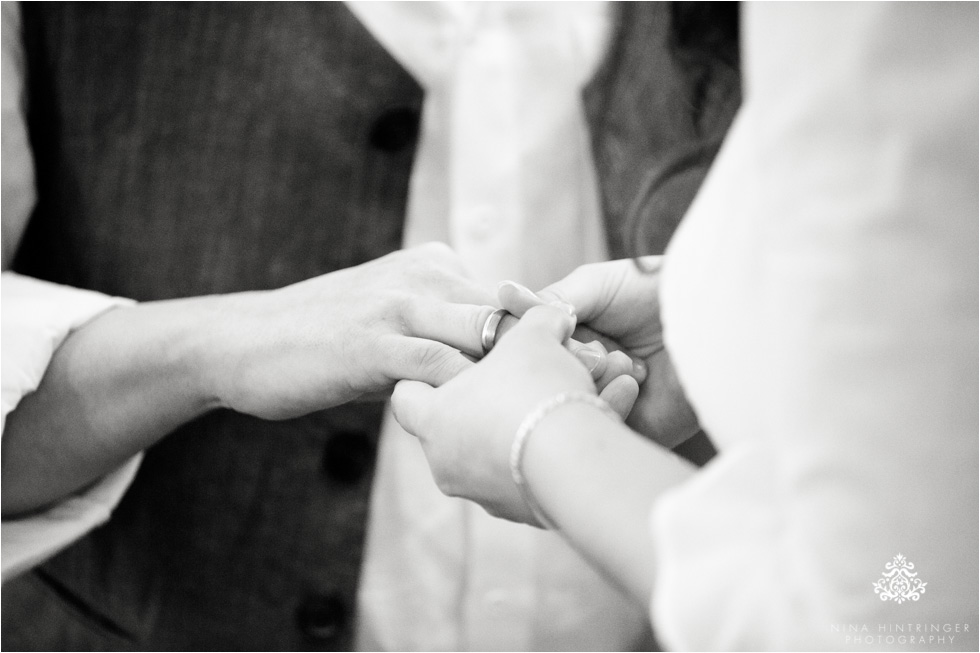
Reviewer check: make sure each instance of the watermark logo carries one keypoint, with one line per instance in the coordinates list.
(898, 582)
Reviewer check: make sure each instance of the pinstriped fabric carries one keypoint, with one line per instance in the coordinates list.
(236, 133)
(187, 149)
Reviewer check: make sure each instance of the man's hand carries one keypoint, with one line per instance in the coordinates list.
(410, 315)
(130, 376)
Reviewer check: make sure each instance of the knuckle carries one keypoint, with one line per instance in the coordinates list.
(407, 311)
(433, 361)
(474, 320)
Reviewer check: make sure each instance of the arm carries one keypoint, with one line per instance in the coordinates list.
(598, 481)
(113, 387)
(594, 477)
(130, 376)
(36, 318)
(97, 386)
(859, 438)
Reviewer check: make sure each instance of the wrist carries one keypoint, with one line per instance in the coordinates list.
(206, 350)
(564, 437)
(560, 421)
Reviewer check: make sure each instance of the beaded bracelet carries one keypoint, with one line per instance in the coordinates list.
(529, 424)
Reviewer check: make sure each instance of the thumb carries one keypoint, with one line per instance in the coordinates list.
(435, 363)
(621, 394)
(585, 289)
(549, 320)
(410, 405)
(582, 289)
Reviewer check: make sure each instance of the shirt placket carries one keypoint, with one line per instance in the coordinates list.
(485, 228)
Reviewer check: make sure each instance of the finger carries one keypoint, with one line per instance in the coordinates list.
(519, 299)
(506, 324)
(431, 362)
(621, 394)
(582, 289)
(592, 356)
(585, 334)
(516, 298)
(457, 325)
(550, 320)
(593, 288)
(409, 405)
(617, 364)
(374, 396)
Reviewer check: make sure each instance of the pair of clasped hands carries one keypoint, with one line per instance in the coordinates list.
(413, 320)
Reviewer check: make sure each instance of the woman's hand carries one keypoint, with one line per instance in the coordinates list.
(467, 426)
(622, 303)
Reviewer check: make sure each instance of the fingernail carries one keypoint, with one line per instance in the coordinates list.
(524, 290)
(589, 358)
(565, 306)
(598, 346)
(639, 370)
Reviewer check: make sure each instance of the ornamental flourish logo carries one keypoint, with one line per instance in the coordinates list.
(899, 583)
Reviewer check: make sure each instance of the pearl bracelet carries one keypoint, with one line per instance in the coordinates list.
(531, 422)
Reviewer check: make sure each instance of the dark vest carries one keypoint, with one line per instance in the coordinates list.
(189, 149)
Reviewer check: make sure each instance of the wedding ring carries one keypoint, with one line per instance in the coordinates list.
(489, 335)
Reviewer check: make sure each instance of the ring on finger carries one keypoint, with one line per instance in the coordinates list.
(488, 337)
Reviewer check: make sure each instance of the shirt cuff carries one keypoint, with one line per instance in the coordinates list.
(36, 319)
(32, 540)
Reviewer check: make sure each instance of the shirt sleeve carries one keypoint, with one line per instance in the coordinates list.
(846, 518)
(36, 318)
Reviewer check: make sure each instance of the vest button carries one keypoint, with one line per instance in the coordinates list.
(348, 457)
(395, 129)
(322, 617)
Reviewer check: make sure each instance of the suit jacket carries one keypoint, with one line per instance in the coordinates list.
(189, 149)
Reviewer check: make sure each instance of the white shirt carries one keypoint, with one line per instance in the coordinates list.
(504, 174)
(820, 304)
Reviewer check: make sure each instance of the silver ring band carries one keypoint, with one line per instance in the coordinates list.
(489, 335)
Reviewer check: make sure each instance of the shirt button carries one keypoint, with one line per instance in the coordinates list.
(395, 129)
(481, 222)
(322, 618)
(348, 457)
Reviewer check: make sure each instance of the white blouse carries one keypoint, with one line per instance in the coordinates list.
(820, 304)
